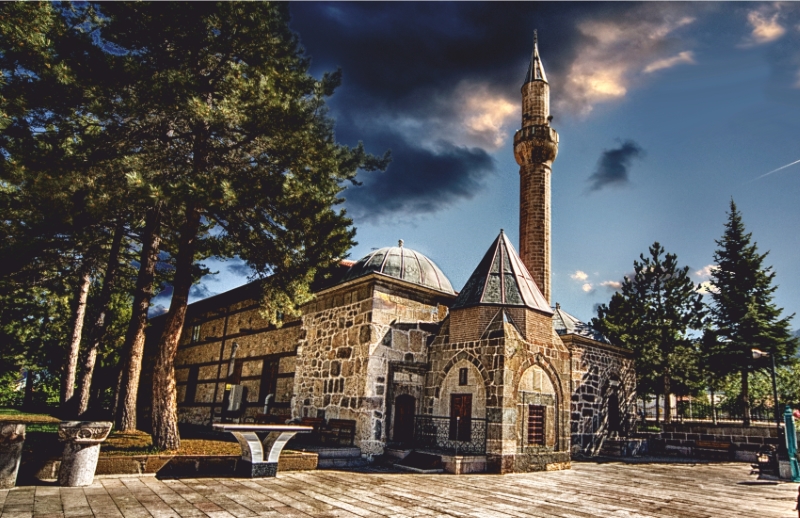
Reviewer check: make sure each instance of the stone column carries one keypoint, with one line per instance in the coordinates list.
(12, 435)
(81, 449)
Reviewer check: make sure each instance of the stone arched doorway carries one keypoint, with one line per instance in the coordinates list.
(538, 409)
(404, 408)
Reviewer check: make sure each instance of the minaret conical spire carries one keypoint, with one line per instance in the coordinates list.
(535, 68)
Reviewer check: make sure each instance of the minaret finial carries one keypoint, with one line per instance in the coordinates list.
(535, 69)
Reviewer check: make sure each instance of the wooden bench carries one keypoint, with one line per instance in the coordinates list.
(341, 432)
(712, 449)
(713, 445)
(260, 458)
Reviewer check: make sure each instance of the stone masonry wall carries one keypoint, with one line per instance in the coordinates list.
(201, 363)
(351, 335)
(596, 368)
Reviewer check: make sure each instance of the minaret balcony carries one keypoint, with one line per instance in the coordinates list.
(535, 145)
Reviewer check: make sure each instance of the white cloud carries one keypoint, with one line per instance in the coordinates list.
(579, 275)
(765, 24)
(686, 56)
(705, 272)
(587, 287)
(706, 287)
(606, 66)
(611, 285)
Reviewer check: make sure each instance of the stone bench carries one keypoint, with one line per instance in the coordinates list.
(260, 458)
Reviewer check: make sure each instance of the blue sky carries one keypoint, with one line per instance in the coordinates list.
(665, 112)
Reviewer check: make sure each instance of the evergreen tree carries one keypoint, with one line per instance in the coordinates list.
(743, 313)
(652, 315)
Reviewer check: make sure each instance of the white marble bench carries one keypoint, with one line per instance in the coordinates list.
(255, 463)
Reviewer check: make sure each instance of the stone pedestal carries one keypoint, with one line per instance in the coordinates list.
(12, 435)
(81, 449)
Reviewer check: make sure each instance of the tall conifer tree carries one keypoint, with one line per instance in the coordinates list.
(652, 315)
(743, 313)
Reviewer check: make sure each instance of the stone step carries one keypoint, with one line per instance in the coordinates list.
(341, 462)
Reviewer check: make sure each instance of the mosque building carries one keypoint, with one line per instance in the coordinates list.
(493, 371)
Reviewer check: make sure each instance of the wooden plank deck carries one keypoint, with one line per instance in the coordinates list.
(613, 489)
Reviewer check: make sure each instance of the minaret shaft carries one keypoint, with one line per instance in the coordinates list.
(535, 148)
(534, 223)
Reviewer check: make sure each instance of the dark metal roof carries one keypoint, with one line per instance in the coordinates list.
(402, 263)
(502, 279)
(566, 324)
(535, 68)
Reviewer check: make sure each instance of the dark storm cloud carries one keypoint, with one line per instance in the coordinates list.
(420, 181)
(402, 66)
(614, 165)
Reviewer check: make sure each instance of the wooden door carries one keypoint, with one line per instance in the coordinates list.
(403, 428)
(460, 417)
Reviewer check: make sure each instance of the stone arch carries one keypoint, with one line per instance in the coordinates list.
(461, 356)
(538, 385)
(476, 386)
(611, 404)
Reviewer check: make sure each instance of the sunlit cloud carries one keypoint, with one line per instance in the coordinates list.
(470, 116)
(611, 285)
(579, 276)
(765, 24)
(706, 287)
(686, 56)
(587, 287)
(616, 50)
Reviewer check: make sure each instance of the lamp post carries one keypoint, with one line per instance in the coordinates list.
(760, 354)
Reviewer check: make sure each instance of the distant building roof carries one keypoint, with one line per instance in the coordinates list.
(501, 278)
(402, 263)
(566, 324)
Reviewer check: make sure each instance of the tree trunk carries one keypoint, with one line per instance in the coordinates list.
(658, 411)
(133, 350)
(81, 399)
(78, 316)
(667, 400)
(745, 398)
(27, 399)
(165, 406)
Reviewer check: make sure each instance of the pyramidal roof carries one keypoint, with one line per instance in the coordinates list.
(502, 279)
(535, 69)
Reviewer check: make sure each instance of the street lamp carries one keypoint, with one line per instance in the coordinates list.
(760, 354)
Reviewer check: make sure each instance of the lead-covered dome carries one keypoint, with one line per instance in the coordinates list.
(401, 263)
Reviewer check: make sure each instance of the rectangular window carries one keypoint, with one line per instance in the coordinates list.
(536, 424)
(463, 376)
(195, 333)
(191, 384)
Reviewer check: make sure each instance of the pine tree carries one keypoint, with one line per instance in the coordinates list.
(651, 315)
(743, 313)
(231, 132)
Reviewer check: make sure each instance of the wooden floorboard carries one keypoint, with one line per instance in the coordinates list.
(589, 489)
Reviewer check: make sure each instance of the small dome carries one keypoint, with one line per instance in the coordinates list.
(401, 263)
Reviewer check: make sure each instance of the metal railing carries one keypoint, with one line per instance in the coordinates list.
(450, 434)
(699, 410)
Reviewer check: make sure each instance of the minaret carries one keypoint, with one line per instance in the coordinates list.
(535, 148)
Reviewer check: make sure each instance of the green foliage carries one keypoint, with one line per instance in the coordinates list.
(652, 315)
